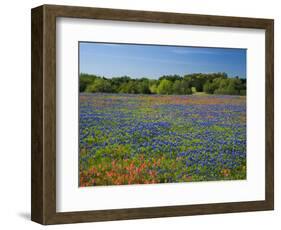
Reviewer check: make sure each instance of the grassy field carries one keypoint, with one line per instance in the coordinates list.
(137, 139)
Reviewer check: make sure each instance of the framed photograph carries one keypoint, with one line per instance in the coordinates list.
(140, 114)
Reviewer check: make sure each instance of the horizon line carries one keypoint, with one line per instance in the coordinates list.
(150, 78)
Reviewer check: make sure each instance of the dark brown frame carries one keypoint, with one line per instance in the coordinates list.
(43, 160)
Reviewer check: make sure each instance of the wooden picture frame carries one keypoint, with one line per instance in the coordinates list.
(43, 189)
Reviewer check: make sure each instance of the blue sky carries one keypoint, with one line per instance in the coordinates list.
(153, 61)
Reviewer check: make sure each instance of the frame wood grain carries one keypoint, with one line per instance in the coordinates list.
(43, 160)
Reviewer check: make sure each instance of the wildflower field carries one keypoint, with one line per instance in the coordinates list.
(137, 139)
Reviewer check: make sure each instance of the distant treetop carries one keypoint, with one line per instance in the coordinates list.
(211, 83)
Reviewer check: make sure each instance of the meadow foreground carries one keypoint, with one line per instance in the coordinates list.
(137, 139)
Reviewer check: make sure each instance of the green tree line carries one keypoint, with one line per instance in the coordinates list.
(212, 83)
